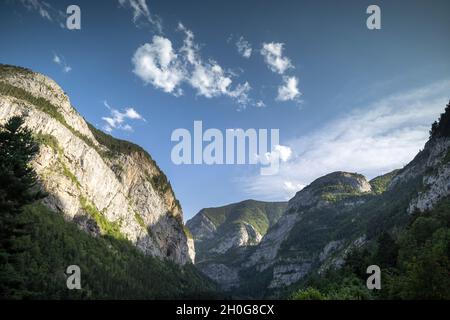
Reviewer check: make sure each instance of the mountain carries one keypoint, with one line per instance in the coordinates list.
(105, 185)
(222, 233)
(102, 204)
(217, 230)
(336, 215)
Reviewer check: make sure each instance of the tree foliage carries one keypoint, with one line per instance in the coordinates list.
(441, 128)
(415, 264)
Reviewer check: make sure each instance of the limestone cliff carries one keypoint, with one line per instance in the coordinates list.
(105, 185)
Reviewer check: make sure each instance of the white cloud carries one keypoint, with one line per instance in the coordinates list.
(209, 80)
(141, 12)
(376, 139)
(208, 77)
(283, 153)
(45, 10)
(59, 60)
(165, 68)
(117, 119)
(56, 59)
(273, 56)
(190, 49)
(158, 64)
(260, 104)
(289, 89)
(291, 187)
(244, 47)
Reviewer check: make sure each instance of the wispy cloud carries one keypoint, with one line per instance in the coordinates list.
(60, 61)
(45, 10)
(118, 120)
(142, 14)
(160, 64)
(260, 104)
(278, 63)
(372, 140)
(244, 48)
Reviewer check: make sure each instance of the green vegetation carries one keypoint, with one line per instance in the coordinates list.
(441, 128)
(40, 103)
(446, 158)
(308, 294)
(7, 70)
(261, 215)
(187, 232)
(117, 146)
(110, 268)
(335, 197)
(66, 172)
(106, 227)
(45, 106)
(37, 244)
(415, 263)
(380, 184)
(50, 141)
(139, 220)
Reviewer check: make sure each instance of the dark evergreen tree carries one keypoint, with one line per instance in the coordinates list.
(441, 128)
(17, 178)
(18, 187)
(387, 252)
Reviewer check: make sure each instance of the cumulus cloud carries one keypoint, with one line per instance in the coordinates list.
(60, 61)
(244, 48)
(166, 68)
(289, 89)
(372, 140)
(45, 10)
(158, 64)
(117, 119)
(141, 13)
(273, 56)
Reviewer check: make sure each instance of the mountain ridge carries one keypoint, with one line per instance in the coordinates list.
(136, 200)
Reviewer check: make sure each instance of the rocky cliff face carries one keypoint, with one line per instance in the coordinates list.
(218, 230)
(309, 213)
(105, 185)
(434, 168)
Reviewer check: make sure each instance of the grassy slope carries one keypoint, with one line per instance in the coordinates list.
(259, 214)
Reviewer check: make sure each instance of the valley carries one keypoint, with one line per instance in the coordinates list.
(108, 207)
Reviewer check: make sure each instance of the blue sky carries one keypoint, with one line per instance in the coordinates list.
(357, 100)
